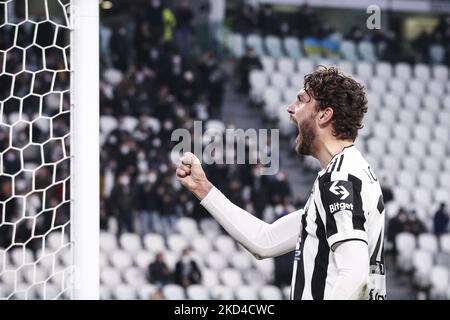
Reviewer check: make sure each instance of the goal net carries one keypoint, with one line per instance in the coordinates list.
(38, 239)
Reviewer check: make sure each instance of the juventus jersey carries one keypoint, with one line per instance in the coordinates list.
(346, 204)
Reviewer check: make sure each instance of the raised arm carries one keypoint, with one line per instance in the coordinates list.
(263, 240)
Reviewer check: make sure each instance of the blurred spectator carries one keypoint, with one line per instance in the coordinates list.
(414, 224)
(397, 225)
(184, 17)
(169, 22)
(187, 271)
(158, 271)
(122, 204)
(267, 23)
(441, 220)
(306, 21)
(421, 44)
(388, 194)
(245, 65)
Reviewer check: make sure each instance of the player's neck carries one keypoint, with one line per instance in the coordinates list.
(326, 149)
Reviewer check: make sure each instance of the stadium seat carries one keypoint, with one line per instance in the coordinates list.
(444, 118)
(130, 242)
(444, 180)
(134, 276)
(406, 117)
(431, 103)
(231, 278)
(146, 291)
(376, 147)
(426, 179)
(105, 293)
(436, 87)
(143, 258)
(405, 179)
(110, 277)
(278, 80)
(296, 81)
(270, 292)
(273, 46)
(210, 277)
(422, 133)
(386, 117)
(364, 70)
(403, 71)
(445, 102)
(173, 292)
(254, 41)
(411, 164)
(216, 261)
(177, 242)
(108, 242)
(417, 149)
(240, 261)
(221, 293)
(367, 51)
(255, 277)
(401, 132)
(437, 150)
(396, 147)
(171, 258)
(225, 245)
(427, 118)
(444, 242)
(268, 64)
(246, 293)
(440, 72)
(287, 292)
(346, 67)
(202, 245)
(411, 102)
(197, 292)
(120, 259)
(406, 244)
(305, 66)
(439, 278)
(107, 124)
(236, 45)
(286, 66)
(437, 53)
(422, 197)
(397, 86)
(416, 87)
(390, 163)
(124, 292)
(422, 263)
(428, 242)
(378, 85)
(383, 70)
(154, 242)
(441, 195)
(348, 50)
(129, 123)
(422, 72)
(292, 46)
(187, 227)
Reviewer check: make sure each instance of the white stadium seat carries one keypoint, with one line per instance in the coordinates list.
(273, 46)
(154, 242)
(422, 72)
(210, 277)
(292, 47)
(187, 227)
(440, 72)
(173, 292)
(108, 241)
(416, 87)
(428, 242)
(121, 259)
(124, 292)
(403, 71)
(202, 245)
(269, 292)
(225, 244)
(216, 261)
(268, 64)
(221, 293)
(406, 244)
(383, 70)
(197, 292)
(130, 242)
(134, 276)
(286, 66)
(246, 293)
(143, 258)
(231, 278)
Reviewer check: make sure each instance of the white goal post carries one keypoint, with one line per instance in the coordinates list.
(49, 149)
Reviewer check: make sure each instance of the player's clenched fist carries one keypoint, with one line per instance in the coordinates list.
(191, 175)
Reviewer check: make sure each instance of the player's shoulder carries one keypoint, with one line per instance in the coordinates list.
(349, 165)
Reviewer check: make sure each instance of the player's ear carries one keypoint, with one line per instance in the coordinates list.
(325, 115)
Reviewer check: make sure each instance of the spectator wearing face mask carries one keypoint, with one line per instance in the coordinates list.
(122, 204)
(187, 271)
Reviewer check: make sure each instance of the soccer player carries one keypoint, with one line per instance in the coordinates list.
(338, 235)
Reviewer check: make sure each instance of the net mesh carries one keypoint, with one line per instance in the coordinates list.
(35, 215)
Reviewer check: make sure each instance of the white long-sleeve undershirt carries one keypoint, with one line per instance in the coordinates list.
(262, 239)
(265, 240)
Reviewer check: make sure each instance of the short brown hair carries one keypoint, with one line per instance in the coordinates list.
(331, 88)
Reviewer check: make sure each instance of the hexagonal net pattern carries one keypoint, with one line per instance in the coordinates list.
(35, 161)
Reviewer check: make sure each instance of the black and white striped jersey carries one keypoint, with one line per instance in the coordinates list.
(346, 204)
